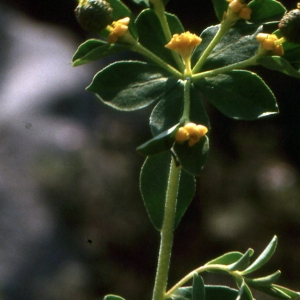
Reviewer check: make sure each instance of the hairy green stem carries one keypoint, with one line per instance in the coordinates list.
(167, 234)
(239, 65)
(159, 9)
(187, 101)
(223, 29)
(144, 51)
(199, 270)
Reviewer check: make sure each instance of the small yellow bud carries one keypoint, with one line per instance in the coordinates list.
(117, 30)
(184, 44)
(181, 135)
(270, 42)
(190, 132)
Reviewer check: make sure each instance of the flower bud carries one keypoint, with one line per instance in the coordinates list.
(93, 15)
(289, 26)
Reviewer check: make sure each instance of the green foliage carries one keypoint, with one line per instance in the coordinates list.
(239, 94)
(176, 83)
(154, 184)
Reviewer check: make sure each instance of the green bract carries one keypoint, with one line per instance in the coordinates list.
(176, 83)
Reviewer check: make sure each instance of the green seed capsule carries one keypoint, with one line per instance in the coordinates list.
(289, 26)
(93, 15)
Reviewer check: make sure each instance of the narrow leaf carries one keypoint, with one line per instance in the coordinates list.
(278, 63)
(263, 257)
(226, 259)
(279, 291)
(263, 281)
(220, 7)
(243, 262)
(244, 292)
(292, 294)
(113, 297)
(131, 85)
(239, 94)
(198, 288)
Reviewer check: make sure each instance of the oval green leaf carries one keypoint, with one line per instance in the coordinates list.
(154, 183)
(131, 85)
(147, 24)
(239, 40)
(239, 94)
(279, 64)
(266, 10)
(192, 159)
(94, 49)
(160, 143)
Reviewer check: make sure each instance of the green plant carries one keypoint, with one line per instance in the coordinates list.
(177, 69)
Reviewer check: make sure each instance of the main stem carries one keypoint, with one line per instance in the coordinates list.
(167, 234)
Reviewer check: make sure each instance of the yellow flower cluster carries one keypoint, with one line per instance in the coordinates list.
(238, 10)
(191, 133)
(117, 29)
(184, 43)
(270, 42)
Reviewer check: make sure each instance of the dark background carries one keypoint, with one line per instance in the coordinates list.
(85, 231)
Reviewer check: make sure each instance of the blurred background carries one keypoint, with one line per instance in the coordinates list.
(72, 221)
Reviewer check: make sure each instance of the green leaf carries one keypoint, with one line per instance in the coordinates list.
(113, 297)
(243, 262)
(263, 281)
(169, 110)
(198, 292)
(212, 292)
(131, 85)
(266, 10)
(160, 143)
(226, 259)
(192, 159)
(278, 63)
(152, 35)
(94, 49)
(239, 40)
(220, 7)
(279, 291)
(292, 294)
(239, 94)
(153, 184)
(263, 257)
(245, 292)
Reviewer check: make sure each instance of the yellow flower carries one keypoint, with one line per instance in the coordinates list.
(117, 30)
(191, 133)
(184, 43)
(270, 42)
(237, 9)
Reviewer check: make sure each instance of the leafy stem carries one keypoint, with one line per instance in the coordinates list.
(223, 29)
(187, 101)
(159, 9)
(239, 65)
(189, 276)
(136, 46)
(167, 233)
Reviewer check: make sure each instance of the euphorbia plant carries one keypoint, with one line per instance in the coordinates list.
(176, 70)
